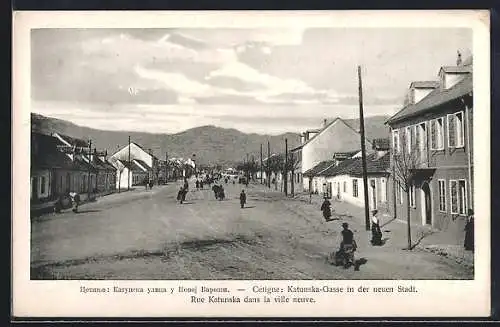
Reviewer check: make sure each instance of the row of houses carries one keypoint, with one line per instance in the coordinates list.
(61, 164)
(433, 127)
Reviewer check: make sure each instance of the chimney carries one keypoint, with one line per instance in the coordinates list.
(302, 138)
(324, 122)
(459, 58)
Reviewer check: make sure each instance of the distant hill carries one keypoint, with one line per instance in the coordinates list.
(211, 144)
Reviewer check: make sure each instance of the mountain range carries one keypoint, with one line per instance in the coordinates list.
(210, 144)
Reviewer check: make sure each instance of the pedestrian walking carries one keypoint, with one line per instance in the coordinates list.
(197, 183)
(326, 207)
(201, 184)
(180, 194)
(222, 195)
(145, 183)
(376, 232)
(243, 199)
(469, 231)
(151, 184)
(75, 200)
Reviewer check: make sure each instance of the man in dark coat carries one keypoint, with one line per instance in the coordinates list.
(215, 188)
(243, 198)
(326, 208)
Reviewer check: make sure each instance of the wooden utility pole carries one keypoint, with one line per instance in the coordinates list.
(248, 171)
(285, 179)
(363, 151)
(128, 180)
(166, 168)
(261, 168)
(89, 184)
(268, 174)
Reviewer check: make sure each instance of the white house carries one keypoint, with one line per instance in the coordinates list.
(139, 154)
(345, 180)
(336, 136)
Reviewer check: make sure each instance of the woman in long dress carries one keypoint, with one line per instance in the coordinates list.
(376, 232)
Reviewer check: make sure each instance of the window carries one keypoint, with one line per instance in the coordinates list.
(42, 185)
(456, 130)
(442, 195)
(437, 134)
(383, 190)
(68, 182)
(412, 196)
(345, 186)
(84, 184)
(355, 188)
(410, 136)
(395, 140)
(458, 197)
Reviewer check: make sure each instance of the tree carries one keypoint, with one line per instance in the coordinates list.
(405, 162)
(276, 164)
(291, 165)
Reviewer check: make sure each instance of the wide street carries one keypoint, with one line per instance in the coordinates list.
(148, 235)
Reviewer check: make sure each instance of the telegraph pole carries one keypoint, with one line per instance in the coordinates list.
(363, 151)
(90, 167)
(261, 168)
(285, 179)
(166, 167)
(129, 167)
(248, 170)
(268, 175)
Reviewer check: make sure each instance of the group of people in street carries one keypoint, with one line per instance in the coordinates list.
(345, 254)
(217, 188)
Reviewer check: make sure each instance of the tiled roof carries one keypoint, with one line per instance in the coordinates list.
(319, 168)
(434, 99)
(457, 69)
(133, 167)
(381, 144)
(339, 169)
(424, 84)
(374, 165)
(74, 141)
(45, 154)
(142, 163)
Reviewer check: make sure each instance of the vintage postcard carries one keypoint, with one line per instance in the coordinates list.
(251, 164)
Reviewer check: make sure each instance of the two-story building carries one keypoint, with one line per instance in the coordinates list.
(335, 137)
(435, 129)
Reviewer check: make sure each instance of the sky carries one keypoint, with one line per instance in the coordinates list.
(266, 81)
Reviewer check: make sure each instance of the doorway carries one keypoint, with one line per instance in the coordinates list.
(34, 188)
(373, 193)
(426, 204)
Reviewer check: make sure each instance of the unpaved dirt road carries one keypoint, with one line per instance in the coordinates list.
(147, 235)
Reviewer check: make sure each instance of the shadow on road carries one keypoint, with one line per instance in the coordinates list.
(88, 211)
(358, 263)
(249, 207)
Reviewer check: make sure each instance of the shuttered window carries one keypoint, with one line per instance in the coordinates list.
(456, 130)
(442, 195)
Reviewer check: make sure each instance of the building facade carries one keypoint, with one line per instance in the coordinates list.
(436, 132)
(336, 136)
